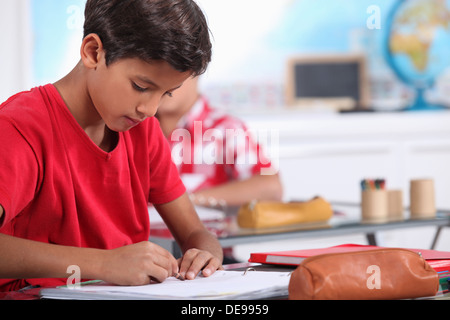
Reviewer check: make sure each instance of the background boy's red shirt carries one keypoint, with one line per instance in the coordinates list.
(234, 160)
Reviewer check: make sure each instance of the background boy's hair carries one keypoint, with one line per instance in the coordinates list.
(175, 31)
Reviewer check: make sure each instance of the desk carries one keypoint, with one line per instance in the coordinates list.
(345, 221)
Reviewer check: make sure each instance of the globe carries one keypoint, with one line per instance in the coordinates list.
(417, 45)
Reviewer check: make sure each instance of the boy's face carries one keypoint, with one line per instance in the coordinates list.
(130, 90)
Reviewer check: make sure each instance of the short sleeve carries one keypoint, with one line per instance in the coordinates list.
(165, 182)
(19, 171)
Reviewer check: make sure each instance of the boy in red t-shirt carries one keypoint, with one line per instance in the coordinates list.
(81, 158)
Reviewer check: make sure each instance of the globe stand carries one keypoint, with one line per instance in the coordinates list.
(420, 104)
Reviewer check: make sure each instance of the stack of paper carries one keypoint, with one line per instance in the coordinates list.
(221, 285)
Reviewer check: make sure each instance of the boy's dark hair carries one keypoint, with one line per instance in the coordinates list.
(175, 31)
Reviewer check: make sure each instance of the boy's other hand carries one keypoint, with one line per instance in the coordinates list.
(195, 260)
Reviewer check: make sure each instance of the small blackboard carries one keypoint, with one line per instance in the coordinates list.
(338, 80)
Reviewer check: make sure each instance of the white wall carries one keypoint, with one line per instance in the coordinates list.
(16, 46)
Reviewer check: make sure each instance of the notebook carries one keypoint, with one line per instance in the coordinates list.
(438, 260)
(226, 284)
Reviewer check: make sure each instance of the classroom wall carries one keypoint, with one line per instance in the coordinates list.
(248, 67)
(16, 47)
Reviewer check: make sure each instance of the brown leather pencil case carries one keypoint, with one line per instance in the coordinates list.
(265, 214)
(379, 274)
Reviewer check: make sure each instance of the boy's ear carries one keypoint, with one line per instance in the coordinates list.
(91, 51)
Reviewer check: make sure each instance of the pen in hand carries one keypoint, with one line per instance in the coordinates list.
(178, 276)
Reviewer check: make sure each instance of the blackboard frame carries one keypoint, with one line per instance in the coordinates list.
(326, 64)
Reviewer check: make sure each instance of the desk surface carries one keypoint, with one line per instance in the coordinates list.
(339, 224)
(346, 220)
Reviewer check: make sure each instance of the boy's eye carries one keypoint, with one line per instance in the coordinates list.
(138, 88)
(169, 94)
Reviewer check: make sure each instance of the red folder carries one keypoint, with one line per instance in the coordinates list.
(438, 260)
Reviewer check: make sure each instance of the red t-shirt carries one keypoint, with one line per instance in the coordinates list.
(57, 186)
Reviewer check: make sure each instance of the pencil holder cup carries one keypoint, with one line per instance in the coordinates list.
(395, 205)
(374, 206)
(422, 202)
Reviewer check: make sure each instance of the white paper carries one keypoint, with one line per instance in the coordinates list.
(220, 285)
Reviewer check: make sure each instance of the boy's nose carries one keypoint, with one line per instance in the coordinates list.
(148, 108)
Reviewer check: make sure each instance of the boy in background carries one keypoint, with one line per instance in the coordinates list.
(236, 173)
(216, 171)
(82, 158)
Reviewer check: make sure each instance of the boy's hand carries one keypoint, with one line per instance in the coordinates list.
(138, 264)
(195, 260)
